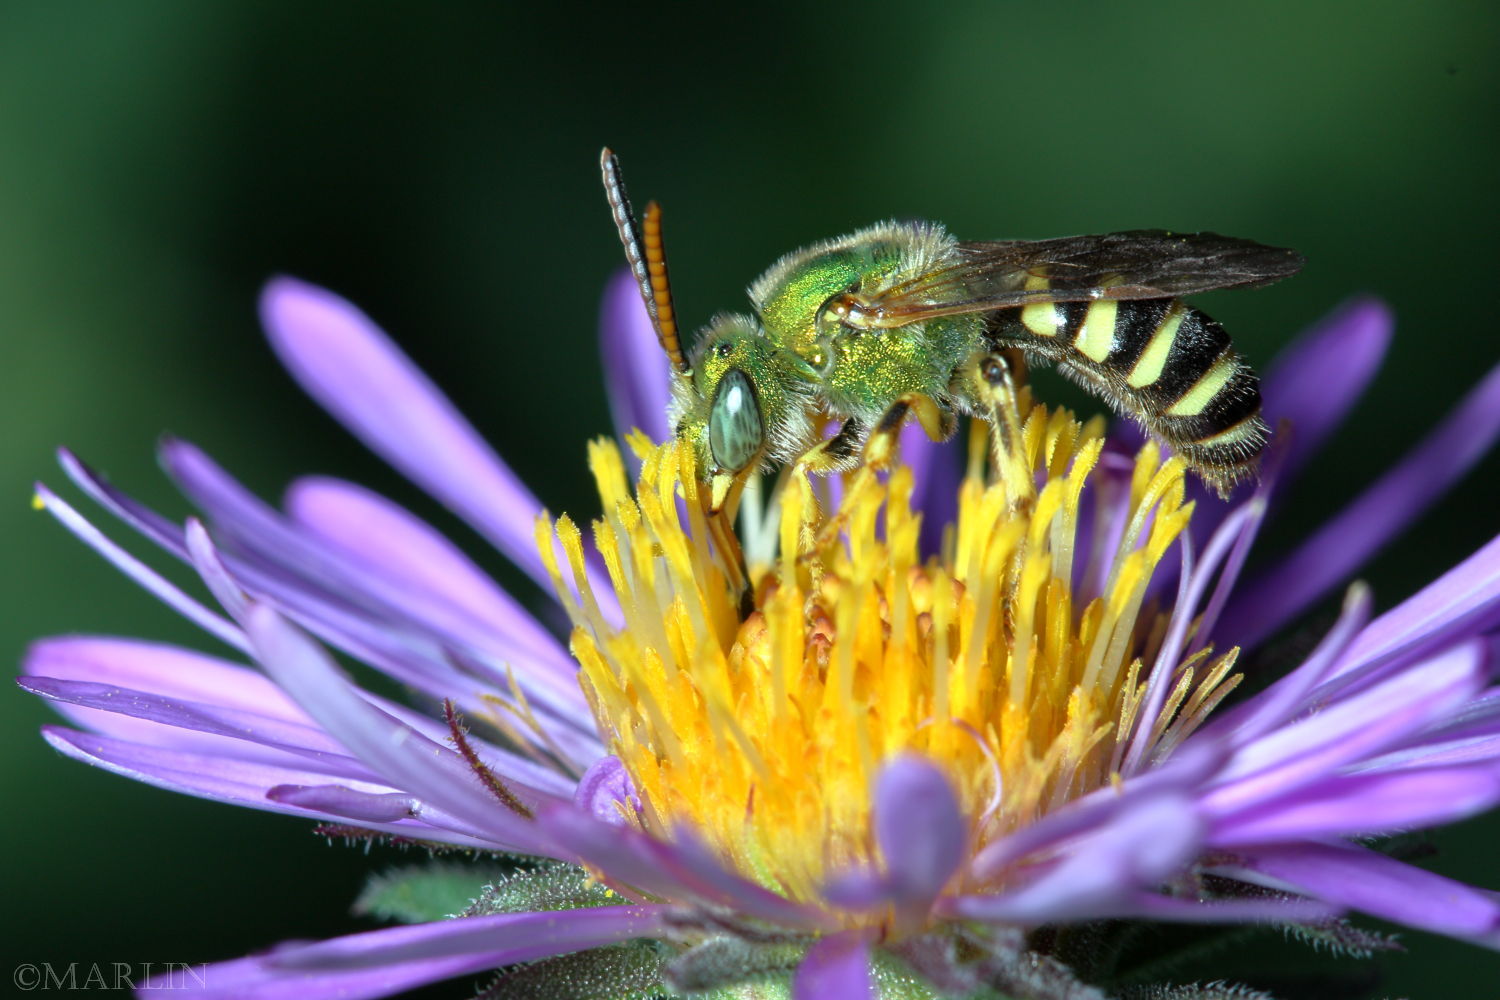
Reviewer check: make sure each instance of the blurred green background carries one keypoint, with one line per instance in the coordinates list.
(438, 165)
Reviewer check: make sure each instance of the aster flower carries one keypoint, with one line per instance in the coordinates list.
(953, 720)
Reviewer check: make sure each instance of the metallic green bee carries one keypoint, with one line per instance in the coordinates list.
(902, 319)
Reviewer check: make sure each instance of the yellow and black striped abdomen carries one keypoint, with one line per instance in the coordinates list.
(1169, 365)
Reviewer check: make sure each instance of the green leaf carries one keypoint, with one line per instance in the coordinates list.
(420, 893)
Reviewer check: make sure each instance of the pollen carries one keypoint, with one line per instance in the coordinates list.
(1013, 659)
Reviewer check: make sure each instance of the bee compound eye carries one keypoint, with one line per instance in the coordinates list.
(735, 429)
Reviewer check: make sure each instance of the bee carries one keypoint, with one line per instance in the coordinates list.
(902, 319)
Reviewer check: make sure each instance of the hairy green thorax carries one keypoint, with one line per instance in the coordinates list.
(861, 372)
(791, 295)
(874, 367)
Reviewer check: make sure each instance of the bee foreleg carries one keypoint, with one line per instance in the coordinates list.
(834, 454)
(880, 447)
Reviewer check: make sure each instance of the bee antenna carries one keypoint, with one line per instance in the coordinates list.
(648, 259)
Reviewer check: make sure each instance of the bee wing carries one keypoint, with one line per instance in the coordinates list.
(1140, 264)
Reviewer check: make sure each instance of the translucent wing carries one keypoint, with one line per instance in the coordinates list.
(1140, 264)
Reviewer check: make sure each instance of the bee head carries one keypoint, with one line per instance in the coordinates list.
(744, 405)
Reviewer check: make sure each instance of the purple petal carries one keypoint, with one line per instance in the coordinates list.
(1468, 736)
(353, 369)
(858, 890)
(1481, 713)
(170, 671)
(1288, 696)
(1313, 383)
(243, 520)
(919, 828)
(1363, 805)
(1362, 879)
(211, 569)
(836, 968)
(1342, 545)
(252, 979)
(387, 615)
(204, 775)
(1240, 524)
(1180, 775)
(173, 723)
(684, 870)
(1356, 727)
(605, 789)
(154, 582)
(1145, 845)
(375, 618)
(406, 759)
(406, 565)
(380, 635)
(1461, 601)
(351, 629)
(637, 373)
(1475, 749)
(141, 518)
(363, 592)
(1104, 511)
(241, 783)
(340, 800)
(936, 471)
(542, 779)
(526, 936)
(619, 852)
(1151, 906)
(691, 859)
(384, 539)
(380, 963)
(255, 523)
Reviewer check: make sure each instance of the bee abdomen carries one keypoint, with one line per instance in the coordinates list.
(1171, 366)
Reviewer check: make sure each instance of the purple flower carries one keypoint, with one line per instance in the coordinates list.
(919, 746)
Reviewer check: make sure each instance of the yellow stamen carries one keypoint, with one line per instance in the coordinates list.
(766, 733)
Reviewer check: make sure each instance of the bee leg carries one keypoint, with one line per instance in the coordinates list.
(834, 454)
(880, 447)
(995, 386)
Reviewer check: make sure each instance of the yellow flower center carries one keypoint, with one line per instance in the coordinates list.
(766, 732)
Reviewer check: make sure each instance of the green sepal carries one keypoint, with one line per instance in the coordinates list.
(618, 972)
(417, 894)
(1146, 954)
(725, 967)
(729, 968)
(777, 987)
(1198, 991)
(896, 980)
(1343, 939)
(549, 886)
